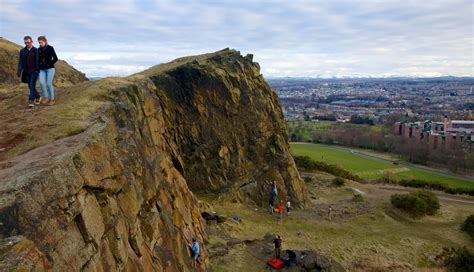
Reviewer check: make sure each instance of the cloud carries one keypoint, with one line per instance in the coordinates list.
(85, 57)
(288, 38)
(113, 70)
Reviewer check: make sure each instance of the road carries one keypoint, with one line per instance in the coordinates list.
(405, 164)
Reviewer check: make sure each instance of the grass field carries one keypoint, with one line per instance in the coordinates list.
(374, 238)
(371, 169)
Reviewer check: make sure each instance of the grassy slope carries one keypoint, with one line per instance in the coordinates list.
(379, 237)
(43, 124)
(368, 168)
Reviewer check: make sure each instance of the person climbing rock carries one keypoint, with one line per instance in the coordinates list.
(195, 252)
(28, 70)
(277, 243)
(273, 197)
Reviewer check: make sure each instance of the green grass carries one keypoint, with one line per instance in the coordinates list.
(371, 169)
(392, 235)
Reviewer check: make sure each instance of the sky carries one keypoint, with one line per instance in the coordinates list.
(297, 38)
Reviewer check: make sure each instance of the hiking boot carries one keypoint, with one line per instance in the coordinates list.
(51, 102)
(31, 104)
(45, 101)
(38, 100)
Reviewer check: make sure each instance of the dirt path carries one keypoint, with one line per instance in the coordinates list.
(23, 129)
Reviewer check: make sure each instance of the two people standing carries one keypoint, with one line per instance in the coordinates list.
(38, 62)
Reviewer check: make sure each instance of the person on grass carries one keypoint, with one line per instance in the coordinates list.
(277, 244)
(28, 69)
(47, 59)
(288, 207)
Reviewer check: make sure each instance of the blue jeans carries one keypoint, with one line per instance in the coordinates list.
(31, 78)
(46, 77)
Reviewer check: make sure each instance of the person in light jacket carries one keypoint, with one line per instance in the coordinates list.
(195, 252)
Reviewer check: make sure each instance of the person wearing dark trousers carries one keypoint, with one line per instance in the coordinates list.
(277, 243)
(28, 69)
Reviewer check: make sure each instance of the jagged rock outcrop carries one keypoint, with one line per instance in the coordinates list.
(227, 128)
(65, 74)
(115, 196)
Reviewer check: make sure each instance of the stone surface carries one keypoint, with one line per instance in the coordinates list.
(227, 128)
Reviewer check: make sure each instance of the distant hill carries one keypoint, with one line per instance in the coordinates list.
(9, 51)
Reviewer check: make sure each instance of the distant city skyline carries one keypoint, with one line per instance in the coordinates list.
(298, 38)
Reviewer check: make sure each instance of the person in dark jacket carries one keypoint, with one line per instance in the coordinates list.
(277, 243)
(291, 258)
(47, 59)
(28, 68)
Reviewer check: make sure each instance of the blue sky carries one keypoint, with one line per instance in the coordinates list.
(288, 38)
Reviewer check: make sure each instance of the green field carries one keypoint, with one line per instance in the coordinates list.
(371, 169)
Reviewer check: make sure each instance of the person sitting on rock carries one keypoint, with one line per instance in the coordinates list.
(291, 258)
(277, 243)
(195, 252)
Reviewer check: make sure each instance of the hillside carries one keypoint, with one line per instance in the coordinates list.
(102, 181)
(65, 74)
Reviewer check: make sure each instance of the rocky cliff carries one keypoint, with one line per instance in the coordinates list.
(115, 194)
(227, 128)
(65, 74)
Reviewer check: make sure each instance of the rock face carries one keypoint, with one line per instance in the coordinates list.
(227, 128)
(106, 199)
(65, 74)
(117, 196)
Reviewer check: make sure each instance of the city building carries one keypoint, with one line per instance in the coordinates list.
(447, 133)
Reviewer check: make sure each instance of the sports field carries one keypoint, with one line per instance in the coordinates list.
(371, 168)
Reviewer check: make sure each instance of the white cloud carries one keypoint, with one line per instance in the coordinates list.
(296, 38)
(90, 57)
